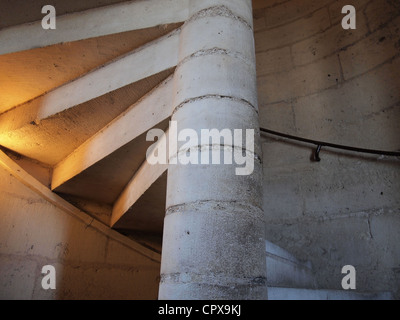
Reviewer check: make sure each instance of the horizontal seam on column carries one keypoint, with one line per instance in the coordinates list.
(215, 279)
(218, 11)
(174, 208)
(216, 51)
(233, 147)
(213, 96)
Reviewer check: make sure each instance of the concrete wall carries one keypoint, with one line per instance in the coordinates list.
(90, 262)
(321, 82)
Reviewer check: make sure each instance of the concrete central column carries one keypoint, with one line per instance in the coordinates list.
(213, 245)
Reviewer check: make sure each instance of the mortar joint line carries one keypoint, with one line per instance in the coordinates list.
(201, 147)
(207, 279)
(213, 96)
(216, 51)
(218, 11)
(174, 208)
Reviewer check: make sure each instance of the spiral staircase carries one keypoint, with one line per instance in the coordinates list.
(75, 108)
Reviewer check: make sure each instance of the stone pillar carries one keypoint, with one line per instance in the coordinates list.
(213, 245)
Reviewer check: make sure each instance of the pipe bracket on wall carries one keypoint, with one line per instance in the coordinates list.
(316, 153)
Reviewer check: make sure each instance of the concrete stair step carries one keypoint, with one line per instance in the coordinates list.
(284, 270)
(277, 293)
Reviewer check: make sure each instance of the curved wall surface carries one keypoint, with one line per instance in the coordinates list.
(319, 81)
